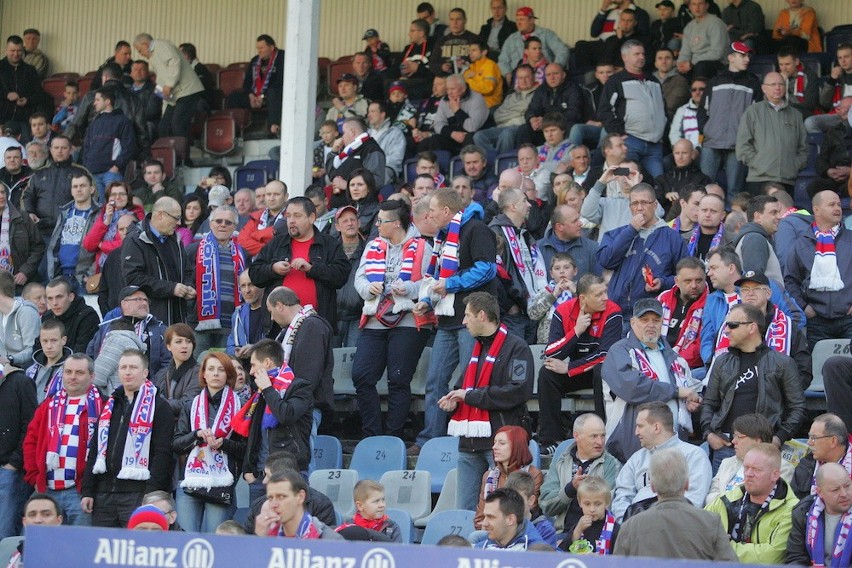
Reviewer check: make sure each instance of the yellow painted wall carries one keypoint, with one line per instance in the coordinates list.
(78, 35)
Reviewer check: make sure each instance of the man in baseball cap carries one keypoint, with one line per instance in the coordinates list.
(554, 48)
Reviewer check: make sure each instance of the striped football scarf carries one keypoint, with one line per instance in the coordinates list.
(815, 537)
(208, 304)
(375, 266)
(443, 264)
(825, 276)
(137, 446)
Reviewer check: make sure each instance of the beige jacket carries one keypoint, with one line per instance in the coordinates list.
(173, 70)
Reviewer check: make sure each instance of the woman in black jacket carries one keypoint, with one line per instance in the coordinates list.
(364, 197)
(178, 383)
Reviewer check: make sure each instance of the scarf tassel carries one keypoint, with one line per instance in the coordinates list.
(134, 473)
(208, 481)
(469, 428)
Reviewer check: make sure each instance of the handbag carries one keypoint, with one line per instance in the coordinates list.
(93, 283)
(385, 315)
(214, 495)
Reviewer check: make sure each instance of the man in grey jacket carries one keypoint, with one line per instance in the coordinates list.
(554, 48)
(509, 116)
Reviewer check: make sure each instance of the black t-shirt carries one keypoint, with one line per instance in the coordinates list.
(746, 388)
(255, 326)
(677, 316)
(703, 247)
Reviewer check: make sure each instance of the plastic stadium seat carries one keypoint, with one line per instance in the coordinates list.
(342, 372)
(168, 158)
(455, 521)
(408, 490)
(822, 351)
(230, 80)
(337, 485)
(418, 381)
(456, 167)
(403, 519)
(251, 178)
(270, 166)
(220, 134)
(241, 116)
(8, 546)
(83, 85)
(376, 455)
(55, 87)
(180, 144)
(446, 500)
(439, 456)
(238, 65)
(800, 190)
(327, 454)
(335, 70)
(409, 169)
(214, 69)
(68, 76)
(505, 161)
(837, 36)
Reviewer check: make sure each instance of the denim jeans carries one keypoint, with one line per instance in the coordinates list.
(194, 515)
(72, 513)
(15, 493)
(397, 350)
(450, 347)
(820, 328)
(711, 161)
(316, 415)
(500, 138)
(649, 154)
(821, 123)
(102, 180)
(580, 133)
(521, 326)
(212, 339)
(471, 467)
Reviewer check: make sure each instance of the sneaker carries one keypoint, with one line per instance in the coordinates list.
(548, 450)
(413, 450)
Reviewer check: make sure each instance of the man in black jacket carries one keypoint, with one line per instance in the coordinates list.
(109, 143)
(81, 320)
(305, 260)
(18, 400)
(20, 86)
(112, 488)
(497, 28)
(497, 384)
(557, 94)
(828, 441)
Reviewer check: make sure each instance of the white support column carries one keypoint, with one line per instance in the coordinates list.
(300, 93)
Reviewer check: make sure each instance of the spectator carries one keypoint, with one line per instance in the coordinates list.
(686, 532)
(188, 51)
(534, 57)
(668, 29)
(565, 235)
(260, 228)
(460, 114)
(510, 115)
(450, 53)
(37, 155)
(218, 175)
(32, 54)
(348, 103)
(497, 29)
(46, 368)
(625, 30)
(39, 129)
(683, 305)
(634, 491)
(833, 161)
(263, 84)
(390, 139)
(369, 83)
(712, 232)
(14, 174)
(35, 294)
(829, 443)
(67, 257)
(590, 131)
(426, 12)
(685, 176)
(483, 74)
(354, 150)
(745, 21)
(116, 340)
(414, 70)
(67, 109)
(802, 89)
(178, 382)
(685, 207)
(675, 85)
(757, 514)
(80, 320)
(123, 57)
(153, 257)
(150, 103)
(685, 121)
(153, 185)
(22, 85)
(506, 524)
(115, 480)
(349, 302)
(705, 38)
(244, 203)
(379, 53)
(726, 98)
(557, 94)
(180, 85)
(250, 323)
(422, 119)
(606, 25)
(724, 268)
(754, 243)
(561, 288)
(554, 48)
(797, 27)
(612, 211)
(370, 513)
(109, 143)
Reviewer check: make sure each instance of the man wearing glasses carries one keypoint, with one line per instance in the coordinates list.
(750, 377)
(153, 257)
(829, 443)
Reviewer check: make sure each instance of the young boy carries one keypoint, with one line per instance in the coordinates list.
(522, 482)
(370, 505)
(554, 154)
(378, 51)
(66, 111)
(400, 111)
(665, 30)
(328, 134)
(596, 531)
(46, 369)
(563, 270)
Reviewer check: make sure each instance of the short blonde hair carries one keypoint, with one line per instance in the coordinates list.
(594, 485)
(366, 486)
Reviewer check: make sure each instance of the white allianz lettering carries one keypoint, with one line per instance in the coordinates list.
(302, 558)
(122, 552)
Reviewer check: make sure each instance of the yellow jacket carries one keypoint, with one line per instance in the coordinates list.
(484, 77)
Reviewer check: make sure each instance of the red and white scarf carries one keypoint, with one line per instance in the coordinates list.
(693, 327)
(444, 262)
(469, 421)
(56, 408)
(281, 379)
(778, 334)
(306, 529)
(558, 152)
(825, 275)
(528, 261)
(260, 81)
(723, 340)
(375, 266)
(265, 221)
(799, 92)
(137, 445)
(603, 545)
(208, 304)
(681, 376)
(207, 467)
(5, 246)
(350, 149)
(815, 537)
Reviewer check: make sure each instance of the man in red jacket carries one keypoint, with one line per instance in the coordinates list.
(58, 435)
(683, 306)
(259, 229)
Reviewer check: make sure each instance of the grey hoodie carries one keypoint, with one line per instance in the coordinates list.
(20, 331)
(106, 365)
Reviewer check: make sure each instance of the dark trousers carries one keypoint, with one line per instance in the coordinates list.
(114, 509)
(820, 328)
(178, 117)
(397, 349)
(272, 103)
(551, 388)
(522, 326)
(526, 135)
(756, 188)
(837, 375)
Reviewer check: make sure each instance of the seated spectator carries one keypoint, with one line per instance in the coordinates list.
(354, 150)
(426, 12)
(675, 85)
(244, 203)
(560, 289)
(32, 54)
(705, 39)
(424, 117)
(450, 53)
(555, 50)
(683, 305)
(684, 13)
(829, 442)
(506, 524)
(573, 194)
(834, 159)
(533, 171)
(348, 103)
(626, 29)
(121, 56)
(34, 293)
(379, 53)
(554, 155)
(14, 175)
(557, 94)
(81, 320)
(684, 210)
(475, 167)
(497, 29)
(22, 85)
(534, 57)
(263, 83)
(606, 25)
(668, 29)
(414, 65)
(370, 83)
(613, 210)
(460, 114)
(178, 382)
(802, 82)
(67, 108)
(423, 188)
(37, 155)
(591, 131)
(685, 173)
(524, 483)
(402, 113)
(685, 122)
(370, 514)
(579, 168)
(510, 115)
(834, 88)
(328, 133)
(427, 163)
(797, 27)
(39, 128)
(390, 139)
(483, 74)
(153, 185)
(745, 21)
(39, 510)
(46, 368)
(218, 175)
(596, 531)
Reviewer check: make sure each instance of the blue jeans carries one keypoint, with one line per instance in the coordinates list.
(15, 493)
(711, 161)
(521, 326)
(450, 347)
(102, 180)
(582, 132)
(72, 513)
(316, 415)
(397, 350)
(471, 467)
(649, 154)
(501, 139)
(194, 515)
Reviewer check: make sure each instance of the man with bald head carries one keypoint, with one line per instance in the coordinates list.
(153, 257)
(771, 138)
(824, 510)
(565, 235)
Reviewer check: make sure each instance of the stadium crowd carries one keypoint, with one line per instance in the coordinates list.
(666, 223)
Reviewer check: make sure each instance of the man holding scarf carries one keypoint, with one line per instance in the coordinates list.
(821, 522)
(132, 453)
(492, 392)
(215, 267)
(463, 261)
(57, 441)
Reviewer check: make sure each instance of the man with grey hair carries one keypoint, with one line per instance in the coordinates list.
(176, 79)
(680, 529)
(164, 501)
(829, 443)
(460, 114)
(244, 202)
(36, 155)
(643, 254)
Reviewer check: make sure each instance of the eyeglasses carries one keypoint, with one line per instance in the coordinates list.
(642, 203)
(736, 324)
(226, 222)
(751, 289)
(176, 218)
(381, 222)
(812, 438)
(774, 85)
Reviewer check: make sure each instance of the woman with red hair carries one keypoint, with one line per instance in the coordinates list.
(511, 452)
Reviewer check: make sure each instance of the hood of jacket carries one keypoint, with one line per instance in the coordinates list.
(472, 213)
(753, 227)
(40, 359)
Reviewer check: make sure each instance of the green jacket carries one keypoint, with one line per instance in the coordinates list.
(769, 537)
(772, 143)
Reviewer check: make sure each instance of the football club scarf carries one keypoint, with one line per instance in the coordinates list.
(528, 261)
(205, 466)
(678, 371)
(492, 481)
(56, 408)
(687, 335)
(692, 245)
(723, 340)
(815, 537)
(558, 152)
(846, 462)
(208, 304)
(468, 421)
(375, 266)
(371, 524)
(305, 530)
(260, 81)
(744, 525)
(603, 545)
(778, 333)
(799, 92)
(443, 264)
(825, 276)
(290, 333)
(281, 379)
(137, 446)
(350, 149)
(563, 297)
(5, 248)
(265, 221)
(55, 384)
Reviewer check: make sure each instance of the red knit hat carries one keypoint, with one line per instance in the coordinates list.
(148, 514)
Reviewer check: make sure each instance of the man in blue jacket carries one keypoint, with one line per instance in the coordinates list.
(109, 143)
(643, 254)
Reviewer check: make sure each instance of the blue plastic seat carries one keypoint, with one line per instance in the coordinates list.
(328, 453)
(505, 161)
(375, 456)
(249, 177)
(269, 166)
(337, 485)
(455, 521)
(438, 456)
(536, 454)
(403, 519)
(408, 490)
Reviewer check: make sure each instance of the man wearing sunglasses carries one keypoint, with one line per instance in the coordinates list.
(750, 377)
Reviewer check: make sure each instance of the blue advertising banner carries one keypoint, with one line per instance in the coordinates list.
(64, 547)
